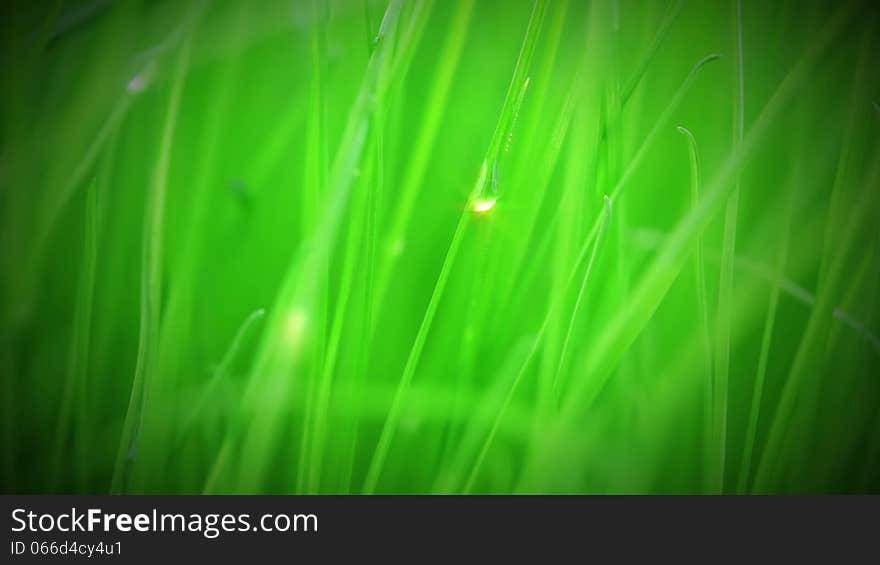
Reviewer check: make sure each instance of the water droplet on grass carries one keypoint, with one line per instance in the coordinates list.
(483, 205)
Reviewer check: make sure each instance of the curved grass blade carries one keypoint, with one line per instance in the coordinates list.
(623, 330)
(519, 77)
(700, 281)
(150, 283)
(555, 305)
(566, 342)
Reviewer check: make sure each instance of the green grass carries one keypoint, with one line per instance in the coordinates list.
(358, 246)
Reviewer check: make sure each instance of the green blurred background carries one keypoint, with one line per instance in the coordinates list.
(349, 246)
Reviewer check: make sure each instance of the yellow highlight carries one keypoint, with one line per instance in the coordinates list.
(295, 327)
(483, 206)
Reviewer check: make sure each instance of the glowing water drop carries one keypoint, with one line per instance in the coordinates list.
(483, 205)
